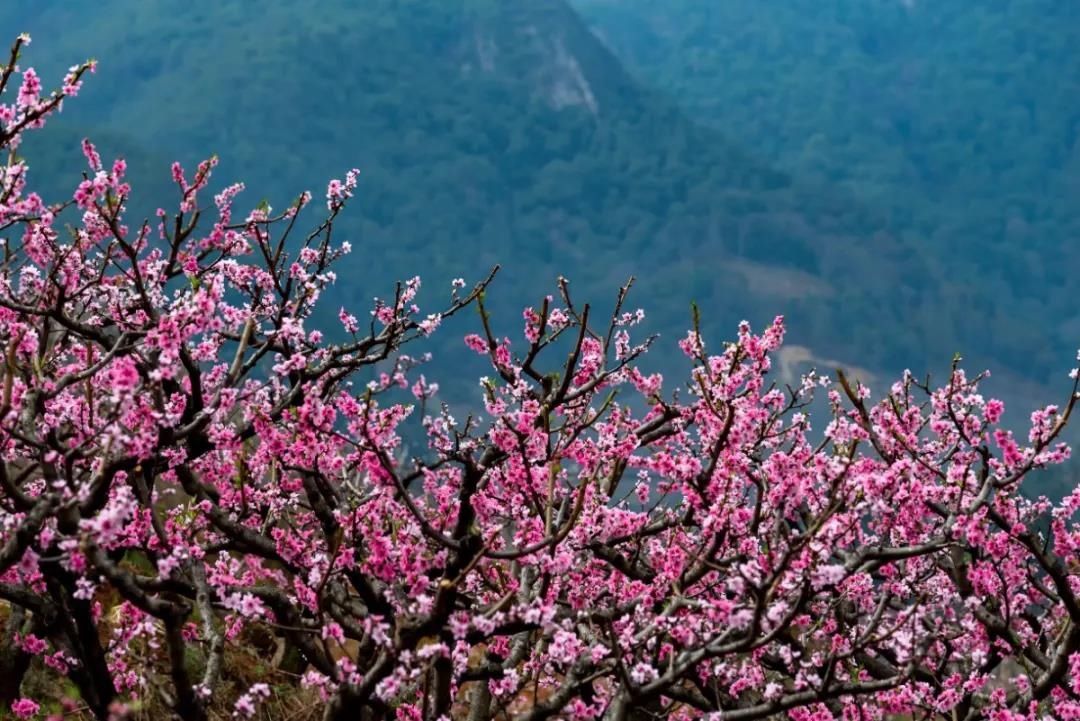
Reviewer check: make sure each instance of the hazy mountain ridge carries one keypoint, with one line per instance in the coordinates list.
(485, 131)
(502, 132)
(957, 122)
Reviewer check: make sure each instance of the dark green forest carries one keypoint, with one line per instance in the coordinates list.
(899, 179)
(958, 122)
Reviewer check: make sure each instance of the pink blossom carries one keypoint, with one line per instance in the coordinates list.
(24, 708)
(194, 465)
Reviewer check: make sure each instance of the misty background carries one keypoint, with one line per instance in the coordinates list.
(900, 179)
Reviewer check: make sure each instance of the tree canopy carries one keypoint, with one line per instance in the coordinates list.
(207, 510)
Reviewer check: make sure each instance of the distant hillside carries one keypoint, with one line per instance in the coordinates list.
(957, 121)
(505, 132)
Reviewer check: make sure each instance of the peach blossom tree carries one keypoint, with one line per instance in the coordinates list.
(186, 460)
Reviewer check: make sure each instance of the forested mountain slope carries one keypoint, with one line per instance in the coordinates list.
(485, 132)
(509, 132)
(958, 121)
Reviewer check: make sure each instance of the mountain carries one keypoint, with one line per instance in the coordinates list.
(507, 131)
(957, 121)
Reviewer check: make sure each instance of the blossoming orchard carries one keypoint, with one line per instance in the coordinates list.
(206, 510)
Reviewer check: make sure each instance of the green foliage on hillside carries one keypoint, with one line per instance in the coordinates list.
(486, 132)
(507, 132)
(957, 121)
